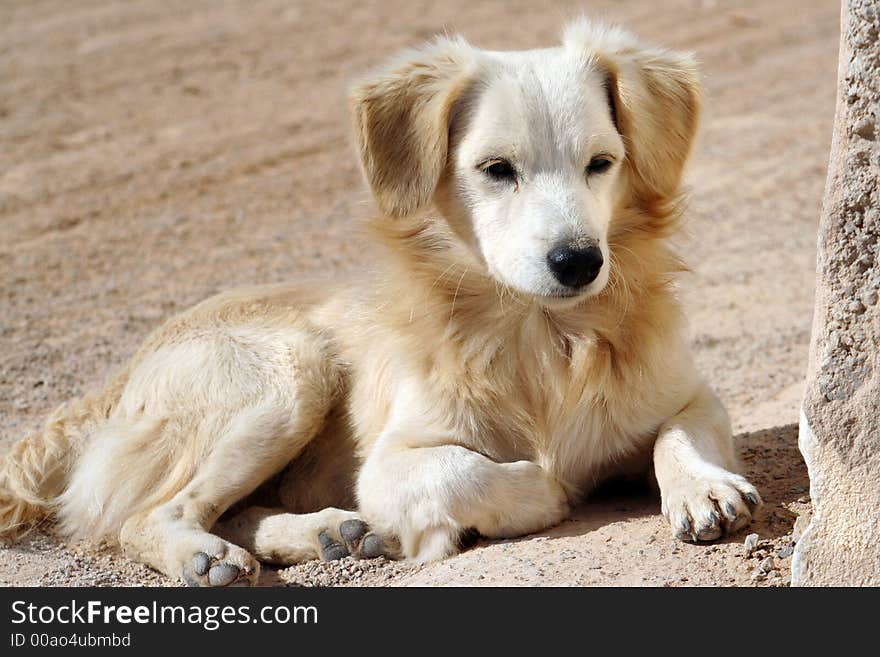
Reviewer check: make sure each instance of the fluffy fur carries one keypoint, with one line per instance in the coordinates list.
(462, 387)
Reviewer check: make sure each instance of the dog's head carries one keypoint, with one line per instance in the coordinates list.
(529, 155)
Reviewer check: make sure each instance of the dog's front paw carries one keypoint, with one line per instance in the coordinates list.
(708, 507)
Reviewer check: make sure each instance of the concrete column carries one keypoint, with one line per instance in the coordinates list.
(840, 418)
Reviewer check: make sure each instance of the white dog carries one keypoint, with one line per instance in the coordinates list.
(520, 344)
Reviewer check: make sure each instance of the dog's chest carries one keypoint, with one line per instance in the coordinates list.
(586, 445)
(577, 442)
(576, 414)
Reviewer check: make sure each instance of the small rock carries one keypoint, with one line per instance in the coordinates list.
(750, 545)
(767, 565)
(758, 575)
(785, 552)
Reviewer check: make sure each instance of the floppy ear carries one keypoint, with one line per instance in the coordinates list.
(401, 122)
(656, 101)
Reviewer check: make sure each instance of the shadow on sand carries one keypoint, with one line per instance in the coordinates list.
(770, 460)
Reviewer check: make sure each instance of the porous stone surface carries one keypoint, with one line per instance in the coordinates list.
(840, 419)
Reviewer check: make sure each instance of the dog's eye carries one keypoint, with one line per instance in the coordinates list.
(598, 164)
(499, 170)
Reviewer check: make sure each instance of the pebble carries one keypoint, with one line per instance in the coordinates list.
(785, 552)
(100, 567)
(750, 545)
(776, 579)
(344, 572)
(767, 565)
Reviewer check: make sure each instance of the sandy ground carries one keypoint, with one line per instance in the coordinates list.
(153, 153)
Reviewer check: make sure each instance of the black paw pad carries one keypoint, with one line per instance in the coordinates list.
(223, 574)
(372, 546)
(331, 550)
(189, 579)
(352, 531)
(201, 562)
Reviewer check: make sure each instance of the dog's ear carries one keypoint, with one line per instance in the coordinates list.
(401, 122)
(655, 96)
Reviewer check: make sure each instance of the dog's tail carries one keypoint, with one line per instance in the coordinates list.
(37, 468)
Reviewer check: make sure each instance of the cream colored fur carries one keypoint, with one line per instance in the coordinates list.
(462, 387)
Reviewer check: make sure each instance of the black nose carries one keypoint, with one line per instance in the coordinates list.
(575, 267)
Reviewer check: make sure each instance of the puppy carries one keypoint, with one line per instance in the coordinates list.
(520, 343)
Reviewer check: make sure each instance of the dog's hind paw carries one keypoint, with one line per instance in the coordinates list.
(355, 539)
(234, 568)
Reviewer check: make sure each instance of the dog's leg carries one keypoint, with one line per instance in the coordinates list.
(694, 461)
(175, 538)
(275, 536)
(430, 498)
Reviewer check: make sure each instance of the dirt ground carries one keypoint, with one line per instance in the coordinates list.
(153, 153)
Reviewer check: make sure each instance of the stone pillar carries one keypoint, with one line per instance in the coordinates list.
(840, 416)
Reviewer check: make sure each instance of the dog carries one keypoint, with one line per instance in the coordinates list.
(520, 342)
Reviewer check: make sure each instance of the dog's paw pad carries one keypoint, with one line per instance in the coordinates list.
(359, 541)
(372, 547)
(223, 574)
(331, 549)
(352, 531)
(201, 563)
(206, 570)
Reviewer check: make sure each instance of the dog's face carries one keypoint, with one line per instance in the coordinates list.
(534, 169)
(530, 154)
